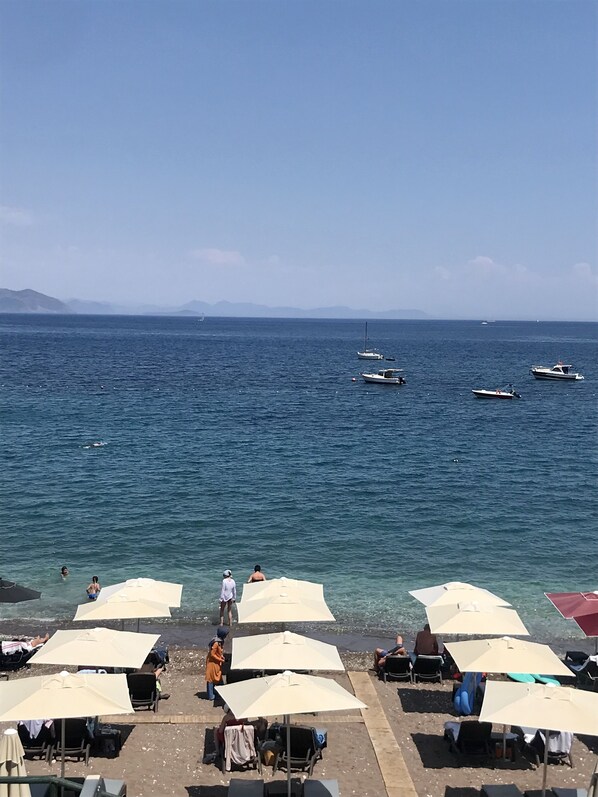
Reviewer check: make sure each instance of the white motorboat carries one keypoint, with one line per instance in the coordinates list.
(389, 376)
(368, 354)
(558, 371)
(507, 393)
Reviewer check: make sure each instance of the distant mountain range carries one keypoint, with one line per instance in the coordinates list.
(29, 301)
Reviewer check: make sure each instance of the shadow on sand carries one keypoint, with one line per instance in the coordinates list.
(425, 701)
(434, 752)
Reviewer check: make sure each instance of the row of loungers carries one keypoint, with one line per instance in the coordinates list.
(278, 788)
(584, 669)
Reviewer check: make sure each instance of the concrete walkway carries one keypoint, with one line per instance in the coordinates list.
(390, 759)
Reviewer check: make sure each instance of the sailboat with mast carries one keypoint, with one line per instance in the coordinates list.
(368, 354)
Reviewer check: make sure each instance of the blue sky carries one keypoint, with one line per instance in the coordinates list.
(431, 154)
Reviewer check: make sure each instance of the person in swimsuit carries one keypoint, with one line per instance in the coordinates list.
(257, 575)
(93, 590)
(380, 654)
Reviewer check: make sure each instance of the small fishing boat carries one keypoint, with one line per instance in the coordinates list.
(558, 371)
(508, 393)
(368, 354)
(389, 376)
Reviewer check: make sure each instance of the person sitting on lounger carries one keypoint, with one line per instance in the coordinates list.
(380, 654)
(228, 719)
(426, 643)
(148, 666)
(23, 645)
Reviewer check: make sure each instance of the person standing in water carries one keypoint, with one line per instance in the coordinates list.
(257, 575)
(228, 596)
(93, 590)
(64, 571)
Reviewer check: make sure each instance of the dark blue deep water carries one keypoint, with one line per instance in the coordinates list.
(236, 441)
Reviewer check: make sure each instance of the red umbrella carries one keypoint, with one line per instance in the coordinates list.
(588, 624)
(579, 606)
(574, 604)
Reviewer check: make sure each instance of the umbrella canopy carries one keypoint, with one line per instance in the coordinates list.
(283, 600)
(283, 608)
(15, 593)
(283, 651)
(574, 604)
(12, 765)
(63, 695)
(456, 592)
(579, 606)
(506, 655)
(301, 590)
(120, 607)
(286, 693)
(146, 589)
(96, 647)
(588, 624)
(474, 618)
(558, 708)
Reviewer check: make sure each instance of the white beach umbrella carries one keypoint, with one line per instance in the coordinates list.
(474, 618)
(504, 654)
(305, 590)
(63, 696)
(558, 708)
(146, 589)
(12, 765)
(96, 647)
(283, 600)
(287, 693)
(283, 651)
(120, 607)
(283, 609)
(456, 592)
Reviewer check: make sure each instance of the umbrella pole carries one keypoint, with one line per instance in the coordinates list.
(62, 740)
(287, 720)
(545, 773)
(504, 743)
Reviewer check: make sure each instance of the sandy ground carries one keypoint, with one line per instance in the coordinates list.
(165, 758)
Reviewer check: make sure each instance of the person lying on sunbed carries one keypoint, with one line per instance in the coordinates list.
(23, 645)
(380, 654)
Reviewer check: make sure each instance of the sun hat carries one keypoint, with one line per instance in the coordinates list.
(227, 573)
(222, 632)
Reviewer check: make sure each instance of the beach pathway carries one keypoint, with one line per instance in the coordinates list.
(395, 774)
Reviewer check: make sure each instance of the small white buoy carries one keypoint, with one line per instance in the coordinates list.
(353, 380)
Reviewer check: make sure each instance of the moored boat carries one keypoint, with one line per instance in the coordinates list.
(508, 393)
(389, 376)
(368, 354)
(558, 371)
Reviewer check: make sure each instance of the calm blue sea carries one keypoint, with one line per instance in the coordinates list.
(231, 442)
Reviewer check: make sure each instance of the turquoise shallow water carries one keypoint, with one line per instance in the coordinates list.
(236, 441)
